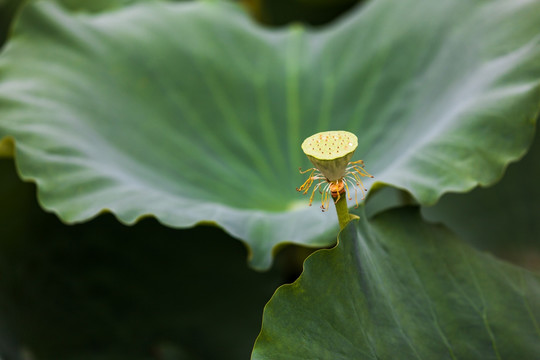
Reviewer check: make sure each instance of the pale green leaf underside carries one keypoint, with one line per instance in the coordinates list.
(398, 288)
(190, 112)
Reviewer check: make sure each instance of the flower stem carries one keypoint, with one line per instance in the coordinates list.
(342, 211)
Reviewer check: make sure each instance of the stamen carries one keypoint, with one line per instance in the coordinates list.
(305, 171)
(358, 181)
(347, 189)
(362, 171)
(313, 192)
(361, 162)
(359, 185)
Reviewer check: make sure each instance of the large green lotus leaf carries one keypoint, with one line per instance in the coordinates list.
(503, 219)
(192, 113)
(101, 290)
(398, 288)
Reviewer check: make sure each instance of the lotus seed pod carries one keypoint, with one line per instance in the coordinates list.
(330, 152)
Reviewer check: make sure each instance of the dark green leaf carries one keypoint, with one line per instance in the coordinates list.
(397, 288)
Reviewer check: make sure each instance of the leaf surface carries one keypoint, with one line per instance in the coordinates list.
(400, 288)
(503, 219)
(192, 113)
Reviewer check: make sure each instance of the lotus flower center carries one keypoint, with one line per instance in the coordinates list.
(329, 145)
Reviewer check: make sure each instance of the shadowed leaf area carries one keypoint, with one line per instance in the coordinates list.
(105, 291)
(399, 288)
(192, 112)
(7, 12)
(503, 219)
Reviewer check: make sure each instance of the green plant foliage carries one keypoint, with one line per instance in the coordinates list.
(182, 114)
(397, 287)
(7, 12)
(192, 113)
(105, 291)
(505, 218)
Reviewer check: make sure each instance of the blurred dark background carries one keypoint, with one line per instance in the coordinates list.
(312, 12)
(102, 290)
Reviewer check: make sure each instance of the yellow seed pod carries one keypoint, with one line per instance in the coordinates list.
(330, 152)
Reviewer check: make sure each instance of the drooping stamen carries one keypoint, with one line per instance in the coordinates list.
(313, 192)
(347, 189)
(309, 180)
(358, 180)
(362, 171)
(359, 185)
(353, 183)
